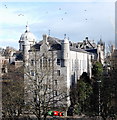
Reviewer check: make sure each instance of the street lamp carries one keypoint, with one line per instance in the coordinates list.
(99, 103)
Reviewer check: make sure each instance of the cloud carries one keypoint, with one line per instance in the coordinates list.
(44, 16)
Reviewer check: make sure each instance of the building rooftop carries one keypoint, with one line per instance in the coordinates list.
(55, 44)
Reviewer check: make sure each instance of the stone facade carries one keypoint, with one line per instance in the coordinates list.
(64, 60)
(66, 64)
(96, 50)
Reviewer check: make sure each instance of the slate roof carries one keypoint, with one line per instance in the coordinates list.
(18, 56)
(92, 50)
(55, 44)
(51, 40)
(77, 50)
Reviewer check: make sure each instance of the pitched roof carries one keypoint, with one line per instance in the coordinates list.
(55, 44)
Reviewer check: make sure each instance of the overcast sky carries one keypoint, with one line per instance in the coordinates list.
(92, 18)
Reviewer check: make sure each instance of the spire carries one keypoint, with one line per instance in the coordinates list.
(65, 39)
(64, 36)
(49, 32)
(27, 27)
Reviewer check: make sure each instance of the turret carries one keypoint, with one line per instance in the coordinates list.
(100, 51)
(65, 50)
(45, 37)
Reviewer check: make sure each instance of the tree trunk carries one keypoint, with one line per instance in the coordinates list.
(45, 116)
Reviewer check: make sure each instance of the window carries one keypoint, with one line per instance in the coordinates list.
(55, 92)
(45, 62)
(32, 73)
(32, 62)
(72, 65)
(49, 62)
(40, 63)
(58, 61)
(55, 82)
(3, 70)
(62, 63)
(58, 72)
(91, 58)
(80, 64)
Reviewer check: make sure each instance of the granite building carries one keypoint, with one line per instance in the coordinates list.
(58, 63)
(65, 60)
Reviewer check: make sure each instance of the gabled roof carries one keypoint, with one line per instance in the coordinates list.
(54, 43)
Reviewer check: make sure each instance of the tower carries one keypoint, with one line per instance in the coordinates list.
(100, 51)
(66, 58)
(65, 51)
(27, 40)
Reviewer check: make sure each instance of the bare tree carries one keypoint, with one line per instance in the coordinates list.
(45, 88)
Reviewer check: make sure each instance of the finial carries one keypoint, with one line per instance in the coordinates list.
(64, 36)
(27, 27)
(49, 32)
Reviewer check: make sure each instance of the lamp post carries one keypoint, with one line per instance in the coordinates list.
(99, 104)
